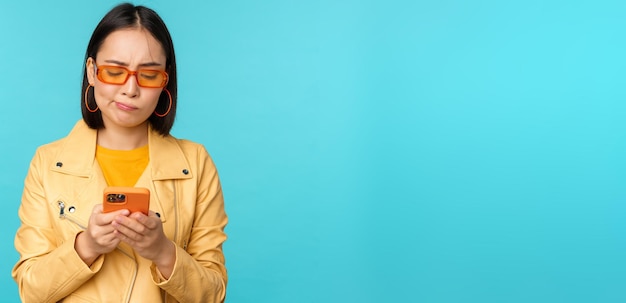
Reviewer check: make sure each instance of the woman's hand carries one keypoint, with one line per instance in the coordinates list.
(145, 235)
(99, 238)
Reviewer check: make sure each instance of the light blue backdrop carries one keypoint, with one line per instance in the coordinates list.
(373, 151)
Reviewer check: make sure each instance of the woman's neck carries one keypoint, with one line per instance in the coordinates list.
(123, 138)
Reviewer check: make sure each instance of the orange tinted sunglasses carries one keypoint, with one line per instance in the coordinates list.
(112, 74)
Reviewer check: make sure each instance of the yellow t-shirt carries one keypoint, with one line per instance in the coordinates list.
(122, 167)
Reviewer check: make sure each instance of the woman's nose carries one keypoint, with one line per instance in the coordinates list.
(131, 88)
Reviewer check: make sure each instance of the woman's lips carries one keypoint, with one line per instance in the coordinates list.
(125, 107)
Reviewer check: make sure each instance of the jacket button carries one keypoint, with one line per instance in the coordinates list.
(59, 164)
(72, 209)
(185, 171)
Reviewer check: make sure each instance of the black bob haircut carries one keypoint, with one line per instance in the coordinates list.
(125, 16)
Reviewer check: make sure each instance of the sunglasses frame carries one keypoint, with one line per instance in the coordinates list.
(130, 73)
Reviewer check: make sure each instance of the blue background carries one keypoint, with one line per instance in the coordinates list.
(373, 151)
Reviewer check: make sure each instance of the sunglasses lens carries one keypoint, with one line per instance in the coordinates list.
(113, 75)
(151, 78)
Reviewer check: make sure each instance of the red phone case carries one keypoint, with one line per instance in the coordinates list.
(132, 198)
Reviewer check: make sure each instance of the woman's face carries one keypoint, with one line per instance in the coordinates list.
(127, 105)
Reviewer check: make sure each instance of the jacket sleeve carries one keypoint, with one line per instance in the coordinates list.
(199, 273)
(46, 271)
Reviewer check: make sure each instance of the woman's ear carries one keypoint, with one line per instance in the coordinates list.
(90, 69)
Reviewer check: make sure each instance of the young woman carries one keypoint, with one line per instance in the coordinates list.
(73, 251)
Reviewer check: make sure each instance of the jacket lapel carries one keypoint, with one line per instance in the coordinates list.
(167, 164)
(77, 155)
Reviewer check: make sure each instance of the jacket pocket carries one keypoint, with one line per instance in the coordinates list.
(67, 223)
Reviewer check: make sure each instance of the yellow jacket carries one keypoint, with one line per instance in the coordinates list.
(63, 184)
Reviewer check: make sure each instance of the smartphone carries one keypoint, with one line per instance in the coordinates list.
(132, 198)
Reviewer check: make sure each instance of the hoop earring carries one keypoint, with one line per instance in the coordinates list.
(87, 103)
(168, 108)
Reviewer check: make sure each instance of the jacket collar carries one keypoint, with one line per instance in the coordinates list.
(77, 155)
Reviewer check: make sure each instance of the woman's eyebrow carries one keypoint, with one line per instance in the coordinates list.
(147, 64)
